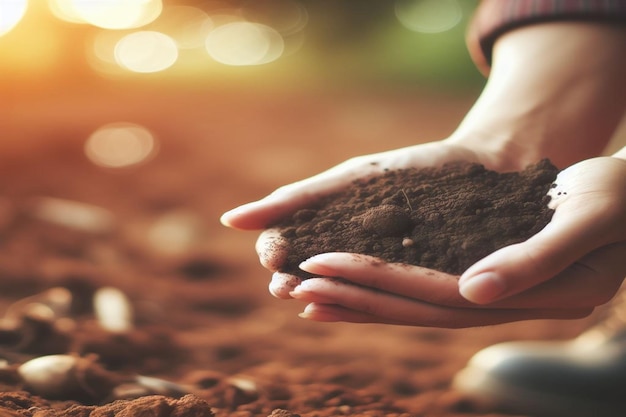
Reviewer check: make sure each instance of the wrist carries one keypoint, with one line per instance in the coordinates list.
(556, 90)
(620, 153)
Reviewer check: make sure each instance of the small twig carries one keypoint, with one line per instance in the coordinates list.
(406, 197)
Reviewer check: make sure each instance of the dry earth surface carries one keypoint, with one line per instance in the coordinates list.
(202, 323)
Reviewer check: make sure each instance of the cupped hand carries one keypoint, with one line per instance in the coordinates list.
(567, 269)
(288, 199)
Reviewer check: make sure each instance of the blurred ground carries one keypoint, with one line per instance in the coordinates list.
(355, 77)
(205, 294)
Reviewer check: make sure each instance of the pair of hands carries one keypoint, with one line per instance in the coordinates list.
(563, 272)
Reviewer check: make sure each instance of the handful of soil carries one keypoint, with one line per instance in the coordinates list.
(444, 218)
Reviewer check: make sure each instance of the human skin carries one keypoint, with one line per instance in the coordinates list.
(555, 90)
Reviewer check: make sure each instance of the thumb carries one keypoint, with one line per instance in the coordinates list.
(587, 217)
(518, 267)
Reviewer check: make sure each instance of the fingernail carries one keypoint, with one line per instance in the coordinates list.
(238, 210)
(304, 292)
(226, 217)
(482, 288)
(296, 292)
(306, 313)
(318, 312)
(319, 264)
(244, 208)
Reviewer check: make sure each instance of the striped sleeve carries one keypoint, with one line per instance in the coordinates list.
(495, 17)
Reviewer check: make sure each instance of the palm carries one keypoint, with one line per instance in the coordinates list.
(573, 265)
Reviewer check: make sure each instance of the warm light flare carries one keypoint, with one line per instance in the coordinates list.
(187, 25)
(146, 51)
(102, 47)
(11, 12)
(65, 10)
(428, 16)
(286, 16)
(116, 14)
(244, 43)
(120, 145)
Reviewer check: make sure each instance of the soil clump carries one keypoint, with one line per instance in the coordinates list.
(444, 218)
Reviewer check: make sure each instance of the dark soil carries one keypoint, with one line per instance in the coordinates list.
(443, 218)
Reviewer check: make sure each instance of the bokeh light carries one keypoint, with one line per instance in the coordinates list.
(65, 10)
(100, 51)
(175, 232)
(115, 14)
(428, 16)
(120, 145)
(200, 41)
(146, 51)
(285, 16)
(244, 43)
(188, 26)
(11, 12)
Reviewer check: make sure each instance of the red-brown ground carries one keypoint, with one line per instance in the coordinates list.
(203, 317)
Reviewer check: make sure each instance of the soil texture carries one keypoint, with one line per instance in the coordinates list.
(443, 218)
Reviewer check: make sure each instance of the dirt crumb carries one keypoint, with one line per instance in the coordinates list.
(443, 218)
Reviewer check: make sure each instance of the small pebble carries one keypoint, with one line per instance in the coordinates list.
(73, 214)
(386, 220)
(113, 310)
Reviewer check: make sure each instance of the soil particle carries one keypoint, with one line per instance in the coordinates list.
(386, 220)
(443, 218)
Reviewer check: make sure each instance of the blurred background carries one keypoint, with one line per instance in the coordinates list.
(153, 108)
(203, 42)
(217, 85)
(128, 126)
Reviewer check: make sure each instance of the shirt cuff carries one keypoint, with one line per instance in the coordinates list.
(496, 17)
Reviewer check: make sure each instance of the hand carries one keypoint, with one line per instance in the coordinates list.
(289, 198)
(286, 200)
(573, 265)
(541, 101)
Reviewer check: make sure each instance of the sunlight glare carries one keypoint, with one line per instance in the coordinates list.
(118, 14)
(175, 232)
(11, 12)
(146, 51)
(244, 43)
(103, 46)
(120, 145)
(187, 25)
(428, 16)
(286, 16)
(65, 10)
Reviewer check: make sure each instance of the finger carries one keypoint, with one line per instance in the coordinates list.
(334, 313)
(517, 268)
(588, 215)
(271, 248)
(263, 213)
(407, 280)
(357, 304)
(283, 284)
(588, 283)
(287, 199)
(620, 154)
